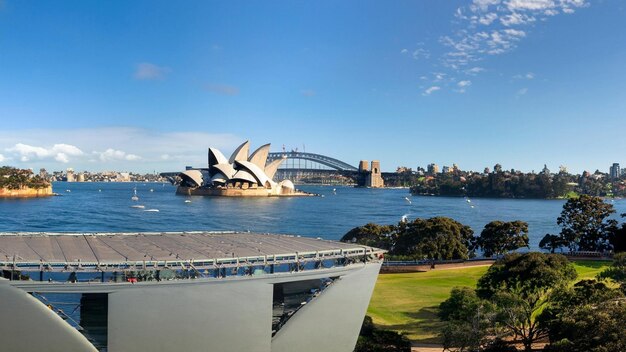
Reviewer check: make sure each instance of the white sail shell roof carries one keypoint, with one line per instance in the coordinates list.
(218, 177)
(241, 153)
(259, 157)
(225, 169)
(261, 177)
(216, 157)
(193, 175)
(243, 175)
(271, 168)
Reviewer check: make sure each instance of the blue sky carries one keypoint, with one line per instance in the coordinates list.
(150, 85)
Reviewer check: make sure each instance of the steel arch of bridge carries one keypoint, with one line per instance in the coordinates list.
(318, 158)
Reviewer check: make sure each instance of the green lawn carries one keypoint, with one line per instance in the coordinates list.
(408, 302)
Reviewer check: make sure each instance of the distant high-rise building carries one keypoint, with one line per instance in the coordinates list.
(445, 169)
(81, 177)
(433, 169)
(70, 175)
(614, 172)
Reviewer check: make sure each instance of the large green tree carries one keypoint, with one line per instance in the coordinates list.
(379, 236)
(468, 321)
(499, 237)
(586, 318)
(519, 285)
(617, 271)
(585, 223)
(438, 238)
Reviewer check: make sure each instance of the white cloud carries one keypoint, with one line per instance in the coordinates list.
(522, 91)
(464, 84)
(112, 155)
(58, 152)
(488, 18)
(149, 71)
(528, 75)
(517, 5)
(417, 54)
(474, 71)
(430, 90)
(483, 5)
(420, 53)
(493, 27)
(2, 158)
(123, 148)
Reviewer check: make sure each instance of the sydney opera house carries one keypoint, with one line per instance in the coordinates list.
(185, 291)
(241, 175)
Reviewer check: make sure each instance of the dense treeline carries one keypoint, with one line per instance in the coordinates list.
(585, 226)
(12, 178)
(515, 184)
(440, 238)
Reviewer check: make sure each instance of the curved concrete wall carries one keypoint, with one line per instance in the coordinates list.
(332, 321)
(27, 325)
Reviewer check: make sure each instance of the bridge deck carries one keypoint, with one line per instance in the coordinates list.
(116, 248)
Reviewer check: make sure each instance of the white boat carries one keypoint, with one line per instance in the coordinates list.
(152, 210)
(138, 206)
(135, 197)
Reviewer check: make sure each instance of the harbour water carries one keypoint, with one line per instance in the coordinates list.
(107, 207)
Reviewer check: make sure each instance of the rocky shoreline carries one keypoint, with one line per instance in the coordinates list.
(26, 192)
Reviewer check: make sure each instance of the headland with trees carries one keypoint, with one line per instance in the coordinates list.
(22, 183)
(501, 183)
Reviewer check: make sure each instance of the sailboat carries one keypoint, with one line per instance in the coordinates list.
(135, 197)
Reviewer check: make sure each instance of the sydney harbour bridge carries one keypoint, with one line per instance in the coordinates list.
(303, 166)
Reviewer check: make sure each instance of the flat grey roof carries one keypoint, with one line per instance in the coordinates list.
(167, 246)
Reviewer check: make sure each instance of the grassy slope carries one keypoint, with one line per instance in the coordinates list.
(408, 302)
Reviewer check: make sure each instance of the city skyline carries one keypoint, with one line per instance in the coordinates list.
(149, 86)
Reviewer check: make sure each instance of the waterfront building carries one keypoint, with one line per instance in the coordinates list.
(241, 175)
(614, 171)
(432, 169)
(70, 175)
(188, 291)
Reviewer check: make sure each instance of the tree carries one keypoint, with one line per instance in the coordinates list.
(500, 237)
(372, 339)
(585, 224)
(437, 238)
(617, 271)
(469, 320)
(590, 328)
(379, 236)
(551, 242)
(519, 284)
(618, 237)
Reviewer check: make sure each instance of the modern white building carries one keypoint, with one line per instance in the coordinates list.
(189, 291)
(241, 175)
